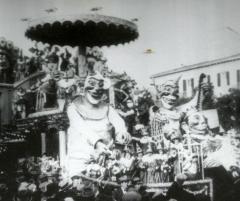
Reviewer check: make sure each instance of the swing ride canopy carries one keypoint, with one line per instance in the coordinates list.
(82, 30)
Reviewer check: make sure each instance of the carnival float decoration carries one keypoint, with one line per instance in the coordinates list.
(85, 32)
(9, 55)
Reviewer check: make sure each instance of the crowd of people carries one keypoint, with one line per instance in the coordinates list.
(42, 179)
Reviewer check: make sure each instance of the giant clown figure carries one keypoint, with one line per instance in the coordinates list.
(94, 125)
(165, 113)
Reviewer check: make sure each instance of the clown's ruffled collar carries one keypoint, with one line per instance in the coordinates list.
(174, 114)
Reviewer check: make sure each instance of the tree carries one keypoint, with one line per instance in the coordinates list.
(228, 107)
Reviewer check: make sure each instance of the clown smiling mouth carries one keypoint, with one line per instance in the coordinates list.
(169, 101)
(96, 95)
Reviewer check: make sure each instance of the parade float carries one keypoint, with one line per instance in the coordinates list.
(52, 88)
(159, 151)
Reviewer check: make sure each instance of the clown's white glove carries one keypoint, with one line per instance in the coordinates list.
(101, 148)
(139, 126)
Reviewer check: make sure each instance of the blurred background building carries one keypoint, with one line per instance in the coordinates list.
(223, 73)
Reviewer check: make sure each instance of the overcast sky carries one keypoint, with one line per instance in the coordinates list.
(180, 32)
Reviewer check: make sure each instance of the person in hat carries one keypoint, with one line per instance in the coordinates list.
(87, 194)
(5, 193)
(177, 192)
(94, 125)
(43, 182)
(136, 183)
(25, 191)
(52, 191)
(118, 193)
(75, 181)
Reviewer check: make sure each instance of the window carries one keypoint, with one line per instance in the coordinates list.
(192, 83)
(238, 78)
(184, 87)
(219, 79)
(228, 78)
(209, 78)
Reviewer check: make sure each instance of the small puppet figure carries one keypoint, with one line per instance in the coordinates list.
(214, 146)
(65, 57)
(20, 105)
(129, 114)
(150, 163)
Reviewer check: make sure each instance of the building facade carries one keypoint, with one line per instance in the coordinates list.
(223, 73)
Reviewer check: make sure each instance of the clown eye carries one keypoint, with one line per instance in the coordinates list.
(100, 84)
(92, 82)
(176, 92)
(168, 89)
(195, 123)
(165, 93)
(196, 117)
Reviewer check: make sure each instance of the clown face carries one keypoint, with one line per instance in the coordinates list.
(171, 130)
(169, 97)
(94, 90)
(198, 123)
(124, 185)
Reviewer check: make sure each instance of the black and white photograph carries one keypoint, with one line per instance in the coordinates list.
(119, 100)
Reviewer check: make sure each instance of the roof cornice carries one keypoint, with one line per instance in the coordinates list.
(198, 65)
